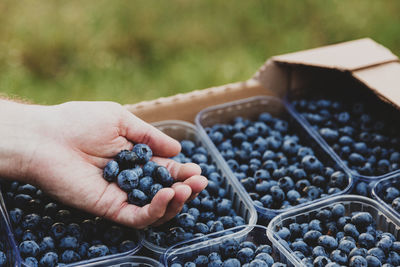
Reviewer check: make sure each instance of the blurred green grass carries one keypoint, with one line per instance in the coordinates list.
(128, 51)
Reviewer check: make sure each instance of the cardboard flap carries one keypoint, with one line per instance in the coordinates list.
(348, 56)
(384, 80)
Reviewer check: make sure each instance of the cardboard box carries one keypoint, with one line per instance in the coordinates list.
(360, 64)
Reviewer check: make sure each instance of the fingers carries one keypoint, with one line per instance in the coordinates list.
(138, 131)
(179, 171)
(197, 183)
(182, 194)
(140, 218)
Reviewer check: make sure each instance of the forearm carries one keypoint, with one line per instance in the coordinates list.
(19, 138)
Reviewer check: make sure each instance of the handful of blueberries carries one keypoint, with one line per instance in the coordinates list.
(211, 211)
(49, 233)
(333, 239)
(272, 163)
(231, 253)
(137, 175)
(368, 143)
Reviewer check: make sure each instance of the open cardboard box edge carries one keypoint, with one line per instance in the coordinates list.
(359, 63)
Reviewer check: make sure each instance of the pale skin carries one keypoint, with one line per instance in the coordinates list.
(62, 149)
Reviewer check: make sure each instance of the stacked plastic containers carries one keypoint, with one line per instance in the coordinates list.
(251, 108)
(345, 95)
(188, 251)
(385, 220)
(243, 206)
(13, 251)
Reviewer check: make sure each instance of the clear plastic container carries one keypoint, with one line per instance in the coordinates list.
(250, 108)
(14, 251)
(128, 261)
(385, 220)
(181, 130)
(355, 94)
(380, 186)
(257, 234)
(7, 239)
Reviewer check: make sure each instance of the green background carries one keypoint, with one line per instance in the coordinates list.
(128, 51)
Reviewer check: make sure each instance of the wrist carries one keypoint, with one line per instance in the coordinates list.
(19, 138)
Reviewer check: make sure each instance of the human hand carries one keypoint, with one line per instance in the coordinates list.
(65, 148)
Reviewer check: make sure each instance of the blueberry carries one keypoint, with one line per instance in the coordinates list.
(138, 198)
(31, 221)
(163, 176)
(70, 256)
(373, 261)
(50, 259)
(328, 242)
(154, 189)
(321, 261)
(83, 248)
(187, 147)
(311, 237)
(126, 159)
(319, 251)
(216, 227)
(286, 183)
(29, 261)
(186, 220)
(229, 248)
(145, 184)
(29, 248)
(224, 206)
(231, 263)
(143, 152)
(339, 257)
(148, 168)
(16, 216)
(128, 180)
(97, 251)
(301, 246)
(351, 230)
(366, 240)
(277, 193)
(69, 242)
(245, 255)
(58, 230)
(111, 171)
(338, 210)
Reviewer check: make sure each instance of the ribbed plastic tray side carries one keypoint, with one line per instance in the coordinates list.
(128, 261)
(385, 220)
(291, 96)
(250, 108)
(19, 260)
(181, 130)
(378, 190)
(211, 243)
(7, 239)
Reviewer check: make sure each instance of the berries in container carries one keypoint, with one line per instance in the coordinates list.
(346, 230)
(272, 155)
(356, 126)
(9, 254)
(387, 192)
(48, 233)
(222, 205)
(247, 244)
